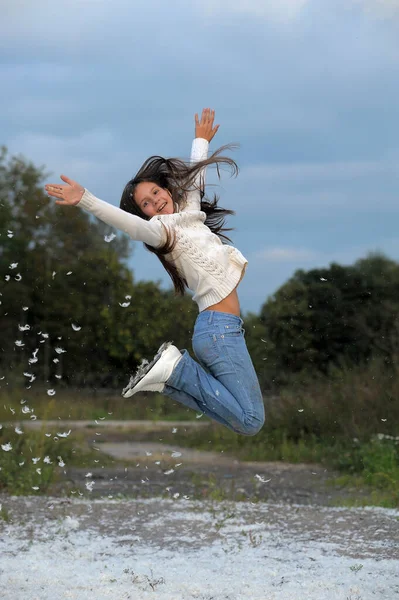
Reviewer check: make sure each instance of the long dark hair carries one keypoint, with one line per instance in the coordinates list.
(178, 177)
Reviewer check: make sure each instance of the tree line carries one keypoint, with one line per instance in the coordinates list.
(72, 311)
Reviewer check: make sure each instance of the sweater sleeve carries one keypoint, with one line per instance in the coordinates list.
(199, 151)
(151, 232)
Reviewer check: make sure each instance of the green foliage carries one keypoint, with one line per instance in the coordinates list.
(4, 514)
(372, 465)
(376, 459)
(262, 351)
(354, 402)
(154, 316)
(334, 316)
(28, 467)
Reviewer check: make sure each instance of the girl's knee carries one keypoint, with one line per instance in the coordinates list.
(252, 426)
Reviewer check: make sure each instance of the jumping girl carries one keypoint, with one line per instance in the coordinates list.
(165, 207)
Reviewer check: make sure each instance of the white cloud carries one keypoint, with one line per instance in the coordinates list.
(99, 28)
(280, 254)
(320, 171)
(379, 8)
(289, 11)
(96, 141)
(30, 109)
(296, 257)
(317, 192)
(276, 10)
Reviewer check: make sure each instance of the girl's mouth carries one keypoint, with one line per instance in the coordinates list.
(160, 209)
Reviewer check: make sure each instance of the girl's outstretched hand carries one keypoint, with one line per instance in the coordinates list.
(69, 194)
(204, 128)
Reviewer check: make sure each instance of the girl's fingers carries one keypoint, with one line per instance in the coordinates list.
(54, 186)
(57, 191)
(211, 115)
(67, 180)
(54, 194)
(205, 114)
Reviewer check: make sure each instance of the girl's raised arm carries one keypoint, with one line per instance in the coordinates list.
(73, 194)
(204, 133)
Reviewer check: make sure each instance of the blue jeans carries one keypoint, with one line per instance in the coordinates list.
(223, 383)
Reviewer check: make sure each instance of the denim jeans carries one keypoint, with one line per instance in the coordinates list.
(223, 383)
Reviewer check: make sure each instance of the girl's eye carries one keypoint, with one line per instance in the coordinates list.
(155, 192)
(145, 203)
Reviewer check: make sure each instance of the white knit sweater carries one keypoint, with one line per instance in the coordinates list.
(212, 269)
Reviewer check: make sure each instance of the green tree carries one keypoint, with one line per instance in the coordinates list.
(152, 317)
(334, 316)
(57, 264)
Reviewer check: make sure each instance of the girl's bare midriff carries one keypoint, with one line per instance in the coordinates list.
(230, 304)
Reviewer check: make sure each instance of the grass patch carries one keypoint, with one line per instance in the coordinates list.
(363, 494)
(4, 515)
(86, 405)
(30, 461)
(372, 467)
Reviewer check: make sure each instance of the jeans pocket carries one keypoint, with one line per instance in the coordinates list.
(232, 330)
(205, 346)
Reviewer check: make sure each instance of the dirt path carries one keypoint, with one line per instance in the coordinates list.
(142, 468)
(147, 469)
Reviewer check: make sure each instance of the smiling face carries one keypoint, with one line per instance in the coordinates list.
(153, 200)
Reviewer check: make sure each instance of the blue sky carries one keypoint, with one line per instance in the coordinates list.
(309, 88)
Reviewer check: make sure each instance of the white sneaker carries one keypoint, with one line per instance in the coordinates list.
(151, 377)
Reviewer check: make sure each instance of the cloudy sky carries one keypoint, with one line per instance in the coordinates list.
(309, 88)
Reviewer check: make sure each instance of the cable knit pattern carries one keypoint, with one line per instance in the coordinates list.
(212, 269)
(197, 255)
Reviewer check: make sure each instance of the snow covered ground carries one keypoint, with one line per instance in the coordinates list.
(183, 550)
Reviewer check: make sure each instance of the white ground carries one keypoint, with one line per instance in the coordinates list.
(182, 550)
